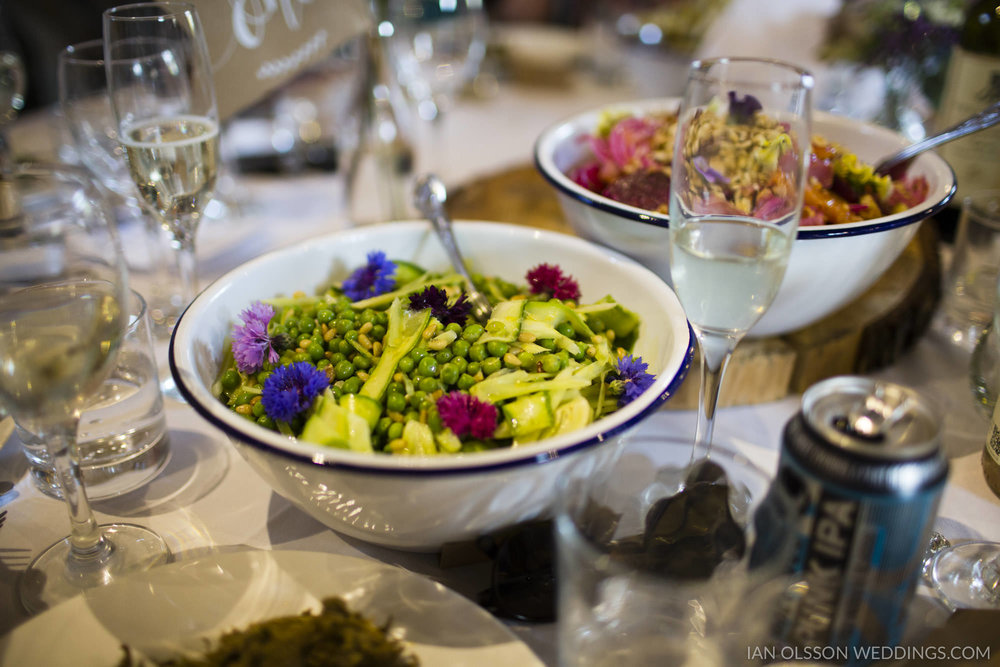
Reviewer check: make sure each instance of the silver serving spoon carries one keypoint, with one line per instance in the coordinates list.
(429, 196)
(897, 164)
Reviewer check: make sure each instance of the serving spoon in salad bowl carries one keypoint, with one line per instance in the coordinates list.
(897, 164)
(429, 196)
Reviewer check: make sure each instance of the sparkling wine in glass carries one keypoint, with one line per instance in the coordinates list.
(435, 49)
(63, 283)
(160, 83)
(739, 170)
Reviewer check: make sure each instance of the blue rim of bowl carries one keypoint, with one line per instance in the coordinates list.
(244, 437)
(584, 196)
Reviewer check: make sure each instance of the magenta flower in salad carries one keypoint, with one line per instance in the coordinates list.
(465, 415)
(372, 279)
(549, 279)
(251, 342)
(436, 299)
(291, 389)
(632, 380)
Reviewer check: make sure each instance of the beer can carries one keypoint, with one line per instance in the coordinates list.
(849, 513)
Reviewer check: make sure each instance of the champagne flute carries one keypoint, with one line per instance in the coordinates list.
(435, 49)
(160, 83)
(738, 174)
(63, 283)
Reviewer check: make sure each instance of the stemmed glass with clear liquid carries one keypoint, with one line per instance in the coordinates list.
(435, 49)
(160, 82)
(63, 286)
(739, 169)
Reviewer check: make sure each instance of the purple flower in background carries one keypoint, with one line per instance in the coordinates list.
(632, 379)
(742, 110)
(372, 279)
(291, 389)
(250, 340)
(711, 175)
(436, 299)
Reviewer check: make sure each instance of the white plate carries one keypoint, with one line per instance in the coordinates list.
(172, 608)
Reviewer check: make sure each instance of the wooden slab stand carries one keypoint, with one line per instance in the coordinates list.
(867, 334)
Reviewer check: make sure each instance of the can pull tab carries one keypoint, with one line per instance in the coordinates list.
(873, 418)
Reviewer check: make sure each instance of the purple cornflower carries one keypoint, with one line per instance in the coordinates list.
(250, 340)
(466, 414)
(436, 299)
(632, 379)
(291, 389)
(372, 279)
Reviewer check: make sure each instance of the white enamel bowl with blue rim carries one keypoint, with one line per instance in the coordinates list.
(421, 503)
(829, 267)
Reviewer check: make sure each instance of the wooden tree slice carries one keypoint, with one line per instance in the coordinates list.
(871, 332)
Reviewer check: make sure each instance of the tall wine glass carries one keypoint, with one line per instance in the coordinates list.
(62, 288)
(738, 174)
(967, 575)
(435, 48)
(160, 83)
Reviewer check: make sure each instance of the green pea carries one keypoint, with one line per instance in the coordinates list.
(496, 348)
(265, 421)
(598, 326)
(491, 365)
(377, 332)
(460, 363)
(416, 397)
(444, 356)
(302, 355)
(361, 362)
(473, 367)
(477, 352)
(293, 332)
(367, 315)
(398, 387)
(405, 365)
(231, 379)
(547, 343)
(336, 357)
(324, 315)
(306, 325)
(337, 390)
(323, 363)
(434, 420)
(472, 332)
(344, 347)
(349, 314)
(449, 374)
(550, 363)
(465, 381)
(344, 370)
(412, 416)
(342, 303)
(262, 377)
(428, 366)
(566, 329)
(344, 325)
(258, 409)
(395, 401)
(460, 347)
(429, 384)
(352, 385)
(527, 360)
(494, 327)
(351, 335)
(383, 424)
(316, 351)
(418, 353)
(395, 431)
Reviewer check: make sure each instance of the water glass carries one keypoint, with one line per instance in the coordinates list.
(122, 436)
(640, 581)
(970, 284)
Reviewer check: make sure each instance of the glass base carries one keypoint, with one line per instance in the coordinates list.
(56, 575)
(966, 575)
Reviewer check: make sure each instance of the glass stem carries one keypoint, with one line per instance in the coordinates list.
(85, 537)
(716, 351)
(187, 267)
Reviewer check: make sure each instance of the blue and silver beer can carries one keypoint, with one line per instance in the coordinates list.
(860, 475)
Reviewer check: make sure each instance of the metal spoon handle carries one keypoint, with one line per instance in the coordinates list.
(988, 117)
(429, 197)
